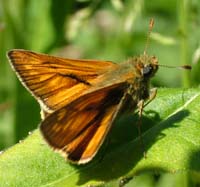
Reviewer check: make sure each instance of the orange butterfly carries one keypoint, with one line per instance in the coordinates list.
(80, 99)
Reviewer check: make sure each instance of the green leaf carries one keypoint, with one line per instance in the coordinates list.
(171, 138)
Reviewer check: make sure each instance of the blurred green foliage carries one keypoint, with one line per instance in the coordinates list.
(100, 29)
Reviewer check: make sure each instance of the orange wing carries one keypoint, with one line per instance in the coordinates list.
(55, 81)
(78, 129)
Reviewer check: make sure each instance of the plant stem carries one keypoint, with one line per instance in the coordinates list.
(184, 51)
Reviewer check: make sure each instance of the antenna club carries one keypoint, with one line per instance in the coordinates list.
(187, 67)
(151, 23)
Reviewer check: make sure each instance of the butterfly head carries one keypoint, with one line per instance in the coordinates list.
(150, 66)
(146, 66)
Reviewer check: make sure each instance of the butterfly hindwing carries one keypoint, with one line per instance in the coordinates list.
(78, 129)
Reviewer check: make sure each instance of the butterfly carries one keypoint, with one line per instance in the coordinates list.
(80, 99)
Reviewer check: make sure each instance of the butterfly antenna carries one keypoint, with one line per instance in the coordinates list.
(186, 67)
(151, 24)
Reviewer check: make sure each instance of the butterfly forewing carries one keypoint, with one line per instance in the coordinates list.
(79, 128)
(55, 81)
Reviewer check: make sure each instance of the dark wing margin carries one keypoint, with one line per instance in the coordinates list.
(55, 81)
(78, 129)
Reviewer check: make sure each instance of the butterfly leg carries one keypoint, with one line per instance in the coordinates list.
(141, 106)
(140, 110)
(152, 95)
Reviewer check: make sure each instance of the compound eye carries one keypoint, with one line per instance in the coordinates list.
(147, 70)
